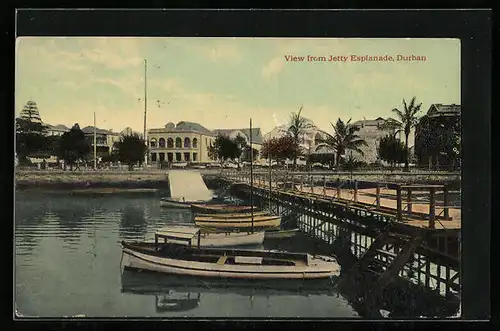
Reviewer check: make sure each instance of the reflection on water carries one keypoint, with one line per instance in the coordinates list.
(67, 263)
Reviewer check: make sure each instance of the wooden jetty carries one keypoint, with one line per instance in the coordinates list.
(394, 229)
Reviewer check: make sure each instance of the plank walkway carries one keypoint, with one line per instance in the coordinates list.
(367, 199)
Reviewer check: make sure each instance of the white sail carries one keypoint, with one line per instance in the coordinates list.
(188, 186)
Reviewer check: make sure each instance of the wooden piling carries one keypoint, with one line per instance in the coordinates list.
(446, 201)
(355, 190)
(408, 201)
(432, 207)
(338, 188)
(312, 184)
(378, 196)
(447, 287)
(399, 204)
(324, 185)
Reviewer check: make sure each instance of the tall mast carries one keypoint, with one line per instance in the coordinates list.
(95, 145)
(145, 107)
(251, 172)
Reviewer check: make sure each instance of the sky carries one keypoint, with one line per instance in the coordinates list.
(223, 82)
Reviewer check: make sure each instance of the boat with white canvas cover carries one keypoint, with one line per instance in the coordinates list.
(186, 188)
(171, 258)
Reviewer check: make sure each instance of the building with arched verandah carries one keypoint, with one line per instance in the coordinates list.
(184, 142)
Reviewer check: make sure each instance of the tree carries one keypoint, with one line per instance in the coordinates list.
(344, 138)
(30, 138)
(297, 126)
(246, 152)
(391, 150)
(223, 149)
(280, 148)
(73, 146)
(131, 149)
(408, 118)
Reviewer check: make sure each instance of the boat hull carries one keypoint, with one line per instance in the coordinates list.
(134, 259)
(227, 239)
(236, 223)
(220, 209)
(174, 204)
(235, 215)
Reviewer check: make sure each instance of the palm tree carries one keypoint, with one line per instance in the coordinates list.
(409, 119)
(297, 126)
(344, 138)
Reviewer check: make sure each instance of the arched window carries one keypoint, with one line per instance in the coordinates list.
(161, 142)
(195, 143)
(152, 142)
(170, 143)
(187, 142)
(178, 142)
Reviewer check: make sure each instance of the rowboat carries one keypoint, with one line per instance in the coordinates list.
(191, 259)
(216, 238)
(236, 215)
(177, 203)
(220, 208)
(265, 221)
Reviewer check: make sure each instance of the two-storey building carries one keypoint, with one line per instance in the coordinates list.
(184, 142)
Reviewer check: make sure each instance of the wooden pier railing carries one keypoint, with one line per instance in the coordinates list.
(404, 202)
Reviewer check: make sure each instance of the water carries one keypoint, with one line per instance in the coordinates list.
(67, 262)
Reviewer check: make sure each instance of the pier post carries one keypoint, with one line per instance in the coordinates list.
(408, 201)
(399, 204)
(446, 202)
(338, 187)
(378, 196)
(355, 190)
(324, 185)
(432, 208)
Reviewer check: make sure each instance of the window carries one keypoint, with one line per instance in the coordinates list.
(187, 142)
(162, 157)
(152, 142)
(195, 143)
(186, 157)
(178, 157)
(178, 142)
(161, 142)
(170, 157)
(170, 143)
(153, 157)
(195, 157)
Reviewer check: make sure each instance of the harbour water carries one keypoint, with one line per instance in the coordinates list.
(67, 262)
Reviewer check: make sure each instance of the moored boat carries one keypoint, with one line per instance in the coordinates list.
(176, 203)
(171, 258)
(216, 238)
(235, 215)
(239, 223)
(220, 208)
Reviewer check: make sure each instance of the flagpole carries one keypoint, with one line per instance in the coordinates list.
(251, 172)
(95, 145)
(145, 108)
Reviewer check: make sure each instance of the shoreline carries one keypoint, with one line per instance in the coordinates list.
(66, 180)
